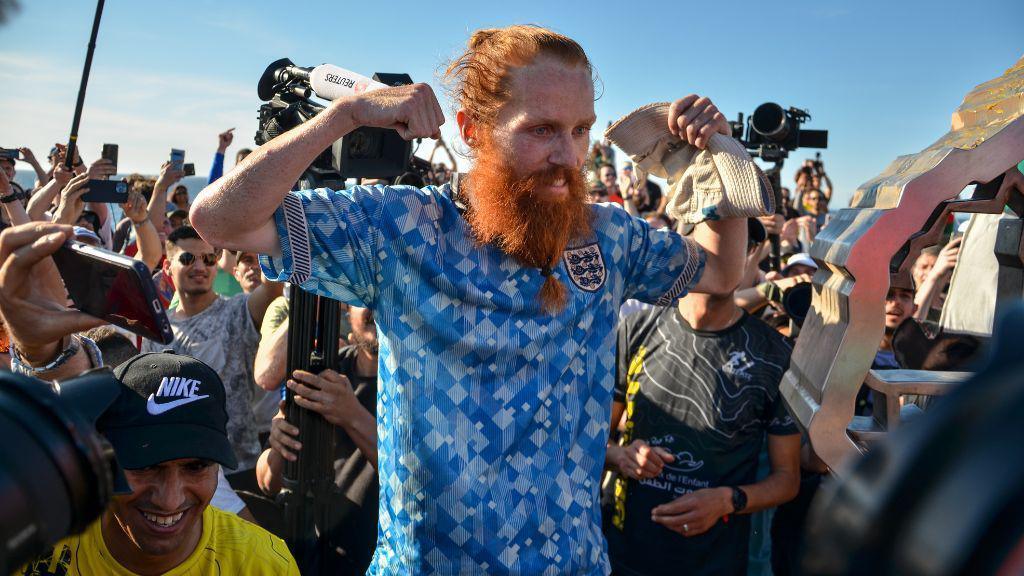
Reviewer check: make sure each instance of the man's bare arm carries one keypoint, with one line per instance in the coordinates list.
(270, 369)
(261, 298)
(783, 483)
(725, 243)
(695, 119)
(236, 212)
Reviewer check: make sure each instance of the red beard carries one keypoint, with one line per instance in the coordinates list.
(504, 210)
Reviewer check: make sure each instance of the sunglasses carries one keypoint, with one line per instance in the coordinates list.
(188, 258)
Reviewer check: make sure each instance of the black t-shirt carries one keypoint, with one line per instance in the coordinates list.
(708, 398)
(355, 527)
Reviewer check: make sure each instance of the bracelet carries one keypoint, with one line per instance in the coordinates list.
(13, 196)
(76, 343)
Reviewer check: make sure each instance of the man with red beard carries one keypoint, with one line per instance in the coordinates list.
(495, 299)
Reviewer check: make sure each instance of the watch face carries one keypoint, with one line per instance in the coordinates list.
(739, 499)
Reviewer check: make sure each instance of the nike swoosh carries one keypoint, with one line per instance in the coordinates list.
(157, 409)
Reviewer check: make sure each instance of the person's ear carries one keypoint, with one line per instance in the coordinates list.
(467, 127)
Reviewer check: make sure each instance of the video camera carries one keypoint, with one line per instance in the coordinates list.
(363, 153)
(773, 132)
(56, 471)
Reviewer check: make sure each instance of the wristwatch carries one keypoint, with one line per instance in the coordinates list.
(739, 499)
(13, 196)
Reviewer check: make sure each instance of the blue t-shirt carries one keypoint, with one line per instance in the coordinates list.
(492, 415)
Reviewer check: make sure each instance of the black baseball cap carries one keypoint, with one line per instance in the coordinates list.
(172, 407)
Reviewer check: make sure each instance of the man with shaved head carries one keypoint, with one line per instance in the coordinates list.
(495, 298)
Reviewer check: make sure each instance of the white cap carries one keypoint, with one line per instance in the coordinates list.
(802, 258)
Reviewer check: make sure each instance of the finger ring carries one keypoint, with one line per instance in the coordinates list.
(686, 527)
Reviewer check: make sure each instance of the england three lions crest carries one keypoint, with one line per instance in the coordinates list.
(586, 267)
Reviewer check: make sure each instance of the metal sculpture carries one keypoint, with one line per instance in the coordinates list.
(871, 245)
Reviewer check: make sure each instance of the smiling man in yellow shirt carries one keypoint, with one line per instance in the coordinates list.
(169, 435)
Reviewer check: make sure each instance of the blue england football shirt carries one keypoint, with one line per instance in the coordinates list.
(492, 415)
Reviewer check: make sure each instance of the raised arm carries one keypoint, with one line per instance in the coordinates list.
(42, 200)
(41, 176)
(14, 209)
(936, 279)
(263, 179)
(158, 201)
(826, 186)
(146, 237)
(724, 243)
(224, 140)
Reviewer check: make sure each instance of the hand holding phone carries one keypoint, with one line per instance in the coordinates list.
(71, 204)
(34, 316)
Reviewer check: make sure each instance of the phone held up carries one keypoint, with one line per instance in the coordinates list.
(114, 287)
(110, 153)
(177, 159)
(109, 191)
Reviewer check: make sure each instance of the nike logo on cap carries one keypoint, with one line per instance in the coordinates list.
(184, 389)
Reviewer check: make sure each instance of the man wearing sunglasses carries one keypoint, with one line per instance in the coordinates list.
(221, 332)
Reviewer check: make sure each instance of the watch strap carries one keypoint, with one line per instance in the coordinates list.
(739, 499)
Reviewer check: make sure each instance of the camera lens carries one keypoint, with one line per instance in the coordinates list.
(797, 302)
(769, 120)
(55, 470)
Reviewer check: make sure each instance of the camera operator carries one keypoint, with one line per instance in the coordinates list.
(811, 176)
(346, 397)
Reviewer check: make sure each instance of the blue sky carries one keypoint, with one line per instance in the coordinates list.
(882, 77)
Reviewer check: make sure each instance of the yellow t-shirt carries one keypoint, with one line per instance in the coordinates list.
(229, 545)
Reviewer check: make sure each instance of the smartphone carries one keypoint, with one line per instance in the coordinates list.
(190, 169)
(110, 153)
(109, 191)
(177, 159)
(12, 153)
(114, 287)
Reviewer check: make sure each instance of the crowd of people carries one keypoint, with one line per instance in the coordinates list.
(498, 407)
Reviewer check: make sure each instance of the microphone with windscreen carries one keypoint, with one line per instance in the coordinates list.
(366, 152)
